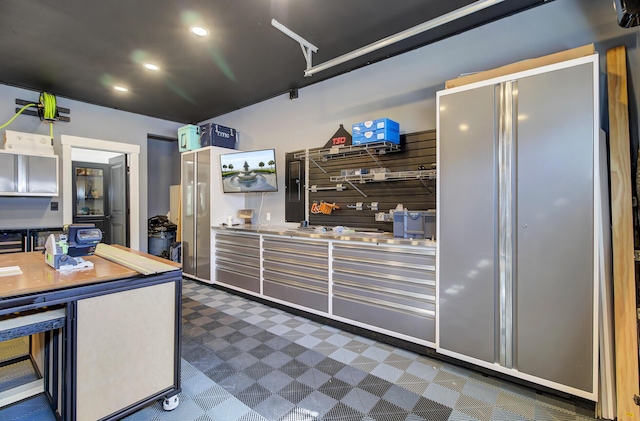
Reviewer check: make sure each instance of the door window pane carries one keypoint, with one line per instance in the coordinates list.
(89, 191)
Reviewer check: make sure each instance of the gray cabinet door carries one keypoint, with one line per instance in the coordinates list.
(41, 174)
(467, 209)
(554, 270)
(202, 215)
(188, 218)
(8, 173)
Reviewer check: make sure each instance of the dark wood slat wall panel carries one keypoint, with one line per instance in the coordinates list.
(418, 149)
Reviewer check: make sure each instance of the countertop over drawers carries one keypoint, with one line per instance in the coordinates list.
(310, 232)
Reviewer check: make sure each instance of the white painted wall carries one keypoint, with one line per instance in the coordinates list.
(403, 88)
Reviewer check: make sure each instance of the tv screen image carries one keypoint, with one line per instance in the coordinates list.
(247, 172)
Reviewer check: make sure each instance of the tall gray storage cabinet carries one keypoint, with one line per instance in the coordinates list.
(203, 205)
(517, 263)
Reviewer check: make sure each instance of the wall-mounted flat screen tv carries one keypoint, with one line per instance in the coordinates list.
(249, 172)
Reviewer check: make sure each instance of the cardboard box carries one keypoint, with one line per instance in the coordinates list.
(30, 143)
(189, 138)
(217, 135)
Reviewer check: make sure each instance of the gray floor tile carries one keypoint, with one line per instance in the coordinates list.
(445, 396)
(351, 375)
(360, 399)
(274, 407)
(313, 378)
(480, 391)
(403, 398)
(275, 381)
(288, 368)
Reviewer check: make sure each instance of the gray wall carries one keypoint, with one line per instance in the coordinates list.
(86, 121)
(403, 88)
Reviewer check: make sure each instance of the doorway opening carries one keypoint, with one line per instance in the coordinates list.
(100, 195)
(130, 155)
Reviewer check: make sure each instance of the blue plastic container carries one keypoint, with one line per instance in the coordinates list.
(217, 135)
(188, 138)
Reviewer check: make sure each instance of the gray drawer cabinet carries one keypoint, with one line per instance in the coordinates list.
(28, 175)
(297, 271)
(389, 287)
(518, 225)
(237, 260)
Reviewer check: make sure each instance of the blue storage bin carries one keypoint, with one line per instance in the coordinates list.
(188, 138)
(387, 134)
(379, 135)
(217, 135)
(360, 128)
(374, 125)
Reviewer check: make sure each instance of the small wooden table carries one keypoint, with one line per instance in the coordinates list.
(121, 347)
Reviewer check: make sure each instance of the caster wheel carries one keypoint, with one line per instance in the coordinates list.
(171, 403)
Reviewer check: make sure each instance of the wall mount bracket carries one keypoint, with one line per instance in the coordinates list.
(307, 48)
(34, 111)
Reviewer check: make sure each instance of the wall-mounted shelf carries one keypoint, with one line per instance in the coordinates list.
(387, 176)
(376, 148)
(371, 149)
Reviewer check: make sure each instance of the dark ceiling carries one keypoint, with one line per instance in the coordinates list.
(80, 49)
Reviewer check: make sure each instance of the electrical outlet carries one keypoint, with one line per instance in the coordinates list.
(268, 216)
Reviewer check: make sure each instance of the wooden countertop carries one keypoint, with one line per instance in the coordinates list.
(37, 276)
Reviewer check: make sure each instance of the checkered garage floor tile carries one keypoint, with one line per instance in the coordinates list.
(245, 361)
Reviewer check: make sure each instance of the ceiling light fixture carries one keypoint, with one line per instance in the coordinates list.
(400, 36)
(199, 31)
(150, 66)
(120, 89)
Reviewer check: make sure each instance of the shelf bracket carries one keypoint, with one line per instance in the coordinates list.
(359, 191)
(318, 165)
(374, 158)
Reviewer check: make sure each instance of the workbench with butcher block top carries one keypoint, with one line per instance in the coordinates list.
(106, 339)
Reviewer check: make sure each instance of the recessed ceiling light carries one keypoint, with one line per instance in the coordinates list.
(151, 66)
(199, 31)
(120, 89)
